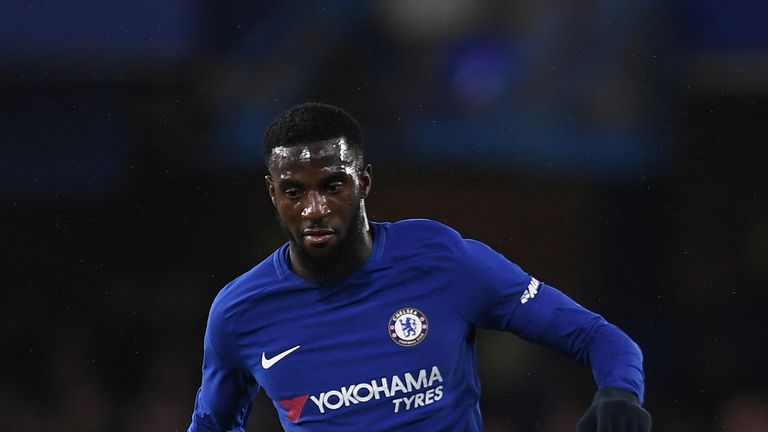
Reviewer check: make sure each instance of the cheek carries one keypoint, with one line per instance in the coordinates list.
(341, 200)
(345, 206)
(288, 210)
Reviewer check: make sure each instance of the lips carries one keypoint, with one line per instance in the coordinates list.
(318, 236)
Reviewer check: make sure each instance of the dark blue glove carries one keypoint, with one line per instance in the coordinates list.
(615, 410)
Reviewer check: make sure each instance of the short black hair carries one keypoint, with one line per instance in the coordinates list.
(311, 122)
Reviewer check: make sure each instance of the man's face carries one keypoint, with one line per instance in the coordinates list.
(317, 190)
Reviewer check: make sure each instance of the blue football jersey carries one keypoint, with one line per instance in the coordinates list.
(391, 346)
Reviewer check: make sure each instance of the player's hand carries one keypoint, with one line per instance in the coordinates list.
(615, 410)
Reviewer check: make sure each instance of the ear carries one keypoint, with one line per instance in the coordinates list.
(366, 178)
(270, 188)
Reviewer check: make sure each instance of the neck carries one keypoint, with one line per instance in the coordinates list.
(350, 256)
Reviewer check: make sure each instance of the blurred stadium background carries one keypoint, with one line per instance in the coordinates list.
(612, 148)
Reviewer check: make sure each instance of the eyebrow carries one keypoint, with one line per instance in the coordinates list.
(338, 175)
(335, 176)
(287, 183)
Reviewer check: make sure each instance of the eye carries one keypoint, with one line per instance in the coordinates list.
(292, 193)
(335, 187)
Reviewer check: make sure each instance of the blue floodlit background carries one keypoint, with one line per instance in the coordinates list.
(615, 149)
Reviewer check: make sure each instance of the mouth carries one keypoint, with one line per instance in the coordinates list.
(318, 236)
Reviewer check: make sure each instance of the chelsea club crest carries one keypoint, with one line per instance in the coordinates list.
(408, 326)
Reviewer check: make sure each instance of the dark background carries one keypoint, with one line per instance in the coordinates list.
(614, 149)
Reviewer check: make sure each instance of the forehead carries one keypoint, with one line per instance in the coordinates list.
(333, 154)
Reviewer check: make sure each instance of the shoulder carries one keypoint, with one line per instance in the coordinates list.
(245, 288)
(428, 237)
(420, 230)
(422, 238)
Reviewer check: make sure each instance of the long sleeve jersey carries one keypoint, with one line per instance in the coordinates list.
(392, 345)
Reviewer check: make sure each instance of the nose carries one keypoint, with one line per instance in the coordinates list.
(315, 206)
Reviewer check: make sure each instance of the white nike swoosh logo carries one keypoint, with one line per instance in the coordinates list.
(268, 363)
